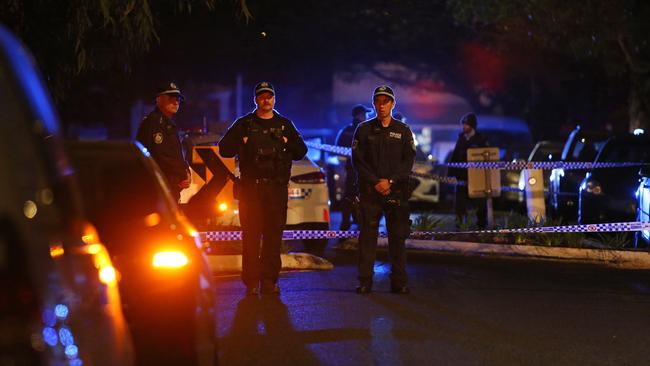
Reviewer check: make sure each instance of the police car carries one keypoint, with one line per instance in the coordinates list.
(213, 180)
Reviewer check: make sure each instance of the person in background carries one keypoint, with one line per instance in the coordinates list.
(265, 143)
(160, 135)
(468, 138)
(383, 153)
(349, 203)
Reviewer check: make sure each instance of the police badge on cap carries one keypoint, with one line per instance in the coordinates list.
(170, 89)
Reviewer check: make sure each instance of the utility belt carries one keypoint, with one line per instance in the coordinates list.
(263, 181)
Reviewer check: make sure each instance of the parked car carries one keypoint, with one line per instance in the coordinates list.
(608, 195)
(642, 238)
(59, 299)
(581, 145)
(167, 287)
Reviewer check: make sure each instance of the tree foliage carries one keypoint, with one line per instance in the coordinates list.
(612, 34)
(71, 37)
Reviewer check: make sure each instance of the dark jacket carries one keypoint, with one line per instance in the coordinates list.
(263, 135)
(383, 152)
(344, 138)
(459, 155)
(161, 137)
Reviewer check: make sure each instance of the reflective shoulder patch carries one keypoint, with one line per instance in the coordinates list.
(158, 137)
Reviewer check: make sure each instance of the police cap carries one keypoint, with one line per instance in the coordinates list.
(384, 90)
(264, 86)
(170, 89)
(360, 108)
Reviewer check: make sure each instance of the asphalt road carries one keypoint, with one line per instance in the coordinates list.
(462, 311)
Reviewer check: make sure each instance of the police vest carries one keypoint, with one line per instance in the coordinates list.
(264, 154)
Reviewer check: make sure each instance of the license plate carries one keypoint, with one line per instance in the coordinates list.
(295, 193)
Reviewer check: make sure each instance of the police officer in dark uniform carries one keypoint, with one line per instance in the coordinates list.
(160, 135)
(350, 193)
(383, 153)
(468, 138)
(265, 143)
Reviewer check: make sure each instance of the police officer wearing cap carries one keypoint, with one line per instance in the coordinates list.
(265, 143)
(383, 153)
(160, 135)
(469, 137)
(344, 138)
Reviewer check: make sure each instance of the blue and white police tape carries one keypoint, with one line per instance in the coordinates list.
(334, 149)
(502, 165)
(211, 236)
(544, 165)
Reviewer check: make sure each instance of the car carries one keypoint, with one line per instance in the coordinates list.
(167, 288)
(581, 145)
(60, 302)
(642, 238)
(608, 195)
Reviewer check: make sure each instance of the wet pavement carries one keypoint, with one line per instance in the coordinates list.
(462, 311)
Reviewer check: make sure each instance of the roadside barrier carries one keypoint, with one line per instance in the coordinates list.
(211, 236)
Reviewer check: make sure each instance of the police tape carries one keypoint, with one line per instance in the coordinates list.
(212, 236)
(544, 165)
(334, 149)
(501, 165)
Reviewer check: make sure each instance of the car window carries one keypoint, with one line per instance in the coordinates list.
(117, 188)
(619, 152)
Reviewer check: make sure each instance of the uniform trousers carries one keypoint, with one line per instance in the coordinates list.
(263, 215)
(373, 205)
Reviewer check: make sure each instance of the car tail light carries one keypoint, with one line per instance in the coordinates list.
(171, 259)
(309, 178)
(326, 215)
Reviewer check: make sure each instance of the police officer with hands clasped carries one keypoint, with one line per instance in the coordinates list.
(265, 143)
(383, 153)
(160, 135)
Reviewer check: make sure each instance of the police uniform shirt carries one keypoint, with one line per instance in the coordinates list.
(380, 152)
(232, 143)
(160, 136)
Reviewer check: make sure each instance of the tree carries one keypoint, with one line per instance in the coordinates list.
(70, 38)
(611, 35)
